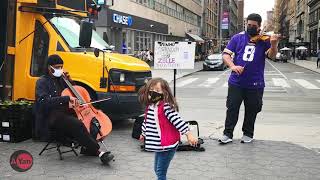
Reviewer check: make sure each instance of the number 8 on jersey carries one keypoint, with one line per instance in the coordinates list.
(248, 53)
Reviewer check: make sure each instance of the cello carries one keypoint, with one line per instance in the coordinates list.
(96, 122)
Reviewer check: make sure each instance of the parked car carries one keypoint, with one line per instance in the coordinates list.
(278, 57)
(281, 57)
(214, 61)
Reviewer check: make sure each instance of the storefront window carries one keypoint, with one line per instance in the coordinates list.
(145, 40)
(173, 9)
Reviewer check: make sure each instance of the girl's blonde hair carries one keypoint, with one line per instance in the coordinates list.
(167, 93)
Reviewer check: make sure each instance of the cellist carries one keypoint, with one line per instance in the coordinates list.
(55, 111)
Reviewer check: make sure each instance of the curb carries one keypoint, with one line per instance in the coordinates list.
(304, 67)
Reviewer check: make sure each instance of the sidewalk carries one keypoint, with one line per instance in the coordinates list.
(168, 74)
(308, 64)
(261, 160)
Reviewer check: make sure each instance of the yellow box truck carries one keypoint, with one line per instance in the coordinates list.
(31, 30)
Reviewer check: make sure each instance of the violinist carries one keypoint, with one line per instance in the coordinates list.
(54, 111)
(246, 82)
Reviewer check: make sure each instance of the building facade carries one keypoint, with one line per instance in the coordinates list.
(240, 15)
(314, 24)
(284, 22)
(134, 25)
(291, 20)
(233, 10)
(229, 19)
(276, 16)
(210, 19)
(269, 26)
(210, 23)
(292, 13)
(302, 19)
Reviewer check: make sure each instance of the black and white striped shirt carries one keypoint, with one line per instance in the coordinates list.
(151, 129)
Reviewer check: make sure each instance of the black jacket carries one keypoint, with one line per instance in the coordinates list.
(48, 99)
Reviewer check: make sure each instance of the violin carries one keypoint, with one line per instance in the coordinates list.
(263, 37)
(92, 118)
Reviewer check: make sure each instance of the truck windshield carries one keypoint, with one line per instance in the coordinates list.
(69, 28)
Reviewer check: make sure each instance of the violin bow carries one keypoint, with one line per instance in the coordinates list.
(93, 102)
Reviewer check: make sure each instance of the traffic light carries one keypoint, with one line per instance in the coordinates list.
(94, 9)
(105, 2)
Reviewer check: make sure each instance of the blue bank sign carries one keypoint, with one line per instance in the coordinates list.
(120, 19)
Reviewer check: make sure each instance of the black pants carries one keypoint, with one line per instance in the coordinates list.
(70, 126)
(253, 103)
(318, 60)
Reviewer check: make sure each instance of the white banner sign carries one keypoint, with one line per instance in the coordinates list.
(174, 55)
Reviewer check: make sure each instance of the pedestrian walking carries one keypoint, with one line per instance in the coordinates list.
(293, 54)
(163, 125)
(124, 47)
(246, 82)
(148, 55)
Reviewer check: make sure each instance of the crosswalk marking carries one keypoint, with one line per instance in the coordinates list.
(270, 71)
(209, 82)
(273, 83)
(272, 74)
(280, 82)
(306, 84)
(185, 82)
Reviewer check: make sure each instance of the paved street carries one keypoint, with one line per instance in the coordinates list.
(290, 111)
(286, 147)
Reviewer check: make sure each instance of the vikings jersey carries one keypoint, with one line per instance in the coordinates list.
(251, 56)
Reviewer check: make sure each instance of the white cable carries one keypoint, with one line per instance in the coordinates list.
(1, 66)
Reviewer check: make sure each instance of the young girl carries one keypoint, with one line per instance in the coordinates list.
(162, 126)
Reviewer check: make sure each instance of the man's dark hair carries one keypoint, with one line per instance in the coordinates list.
(52, 60)
(255, 17)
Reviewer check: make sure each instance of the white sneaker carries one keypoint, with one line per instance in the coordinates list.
(225, 139)
(246, 139)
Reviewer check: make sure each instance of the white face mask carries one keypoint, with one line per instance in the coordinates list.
(57, 72)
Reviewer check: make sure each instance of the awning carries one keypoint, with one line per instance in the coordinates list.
(285, 49)
(301, 48)
(195, 37)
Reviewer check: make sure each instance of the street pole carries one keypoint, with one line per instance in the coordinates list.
(174, 82)
(221, 13)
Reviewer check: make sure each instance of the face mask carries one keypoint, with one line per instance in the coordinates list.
(252, 31)
(57, 72)
(155, 96)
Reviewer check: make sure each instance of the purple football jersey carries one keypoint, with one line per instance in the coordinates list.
(251, 56)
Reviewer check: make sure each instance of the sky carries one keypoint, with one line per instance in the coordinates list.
(258, 6)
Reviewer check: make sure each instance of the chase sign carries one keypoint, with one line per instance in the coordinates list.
(120, 19)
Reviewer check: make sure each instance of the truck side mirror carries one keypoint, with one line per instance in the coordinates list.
(96, 52)
(85, 33)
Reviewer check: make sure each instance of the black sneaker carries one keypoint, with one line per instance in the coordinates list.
(85, 152)
(106, 157)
